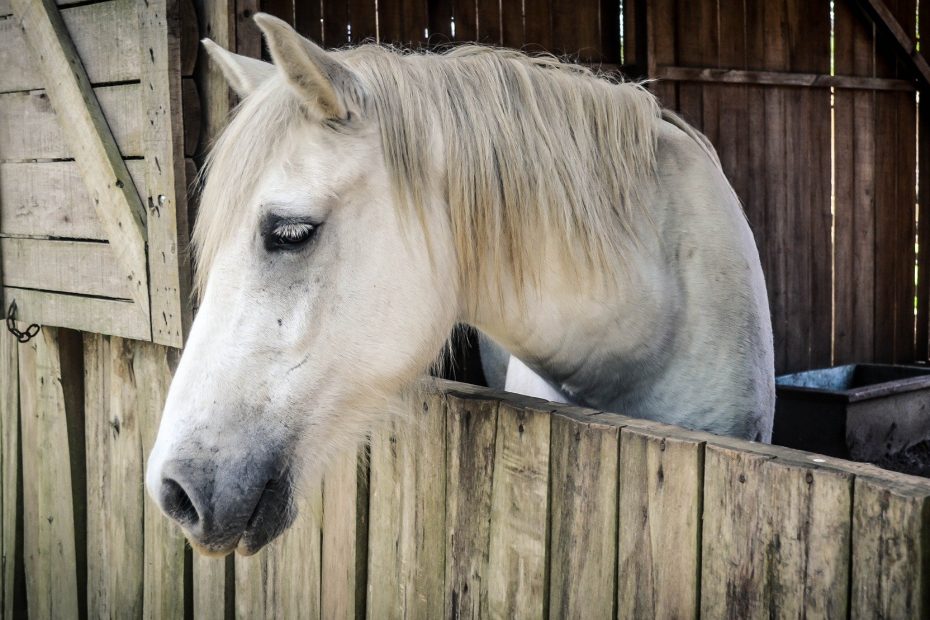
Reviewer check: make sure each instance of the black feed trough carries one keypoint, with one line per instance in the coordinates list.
(863, 412)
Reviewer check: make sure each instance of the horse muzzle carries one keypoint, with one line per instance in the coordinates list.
(225, 506)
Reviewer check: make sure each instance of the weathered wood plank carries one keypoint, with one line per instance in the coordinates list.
(106, 37)
(164, 546)
(471, 431)
(661, 490)
(583, 500)
(89, 138)
(84, 267)
(50, 545)
(781, 78)
(775, 536)
(103, 316)
(213, 581)
(283, 580)
(49, 200)
(165, 188)
(890, 550)
(407, 515)
(12, 599)
(115, 540)
(516, 574)
(345, 538)
(29, 128)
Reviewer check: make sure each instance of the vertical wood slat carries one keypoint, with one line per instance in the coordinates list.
(404, 22)
(517, 557)
(115, 539)
(583, 499)
(890, 550)
(165, 188)
(151, 367)
(776, 536)
(48, 416)
(345, 538)
(12, 601)
(407, 516)
(213, 584)
(471, 429)
(659, 523)
(283, 579)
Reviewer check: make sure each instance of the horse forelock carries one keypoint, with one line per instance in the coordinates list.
(535, 151)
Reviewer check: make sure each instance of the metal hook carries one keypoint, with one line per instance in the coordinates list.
(22, 337)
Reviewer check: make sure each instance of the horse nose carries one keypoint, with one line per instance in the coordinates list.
(243, 504)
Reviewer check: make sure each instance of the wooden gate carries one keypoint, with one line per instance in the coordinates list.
(93, 180)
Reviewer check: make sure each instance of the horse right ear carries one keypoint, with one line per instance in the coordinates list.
(244, 74)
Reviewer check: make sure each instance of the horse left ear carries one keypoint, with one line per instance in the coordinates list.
(319, 79)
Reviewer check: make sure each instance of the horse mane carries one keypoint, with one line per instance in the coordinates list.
(536, 153)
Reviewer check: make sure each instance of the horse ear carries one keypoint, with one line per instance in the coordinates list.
(244, 74)
(316, 75)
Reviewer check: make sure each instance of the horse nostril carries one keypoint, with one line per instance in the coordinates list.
(177, 503)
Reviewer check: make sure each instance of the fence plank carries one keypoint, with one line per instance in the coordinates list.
(12, 601)
(105, 35)
(50, 545)
(49, 199)
(283, 580)
(213, 582)
(115, 539)
(890, 550)
(165, 564)
(471, 431)
(345, 538)
(583, 488)
(65, 266)
(659, 553)
(519, 515)
(407, 508)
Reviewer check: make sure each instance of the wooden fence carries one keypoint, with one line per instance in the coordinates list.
(488, 505)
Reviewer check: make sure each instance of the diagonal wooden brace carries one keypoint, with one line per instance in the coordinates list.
(90, 140)
(888, 25)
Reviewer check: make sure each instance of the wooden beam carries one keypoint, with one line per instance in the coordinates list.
(165, 187)
(779, 78)
(886, 22)
(89, 138)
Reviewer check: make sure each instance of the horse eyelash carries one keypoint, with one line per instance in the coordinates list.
(293, 231)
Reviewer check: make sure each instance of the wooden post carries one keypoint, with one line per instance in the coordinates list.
(12, 599)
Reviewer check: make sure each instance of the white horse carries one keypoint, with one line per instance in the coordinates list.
(362, 202)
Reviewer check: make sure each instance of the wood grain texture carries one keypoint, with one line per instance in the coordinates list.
(583, 498)
(775, 536)
(82, 267)
(214, 586)
(165, 187)
(29, 127)
(12, 575)
(163, 544)
(115, 477)
(283, 579)
(407, 515)
(91, 314)
(890, 550)
(659, 523)
(345, 538)
(49, 200)
(105, 35)
(89, 138)
(471, 438)
(50, 543)
(517, 556)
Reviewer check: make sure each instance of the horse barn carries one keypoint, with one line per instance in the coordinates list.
(489, 504)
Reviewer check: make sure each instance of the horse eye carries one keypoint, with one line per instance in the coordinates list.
(289, 235)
